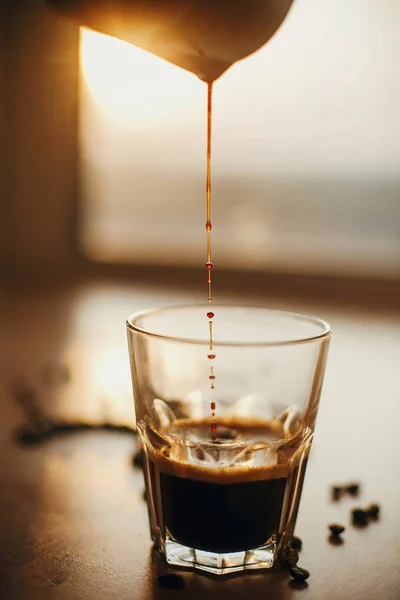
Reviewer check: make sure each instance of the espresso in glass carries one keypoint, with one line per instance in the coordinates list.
(226, 494)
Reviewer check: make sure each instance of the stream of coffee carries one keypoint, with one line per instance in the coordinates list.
(209, 265)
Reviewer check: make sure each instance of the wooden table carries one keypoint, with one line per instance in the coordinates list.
(73, 524)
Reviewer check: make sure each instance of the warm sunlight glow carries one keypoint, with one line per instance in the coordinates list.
(125, 81)
(305, 143)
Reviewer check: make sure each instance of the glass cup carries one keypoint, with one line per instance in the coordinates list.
(225, 426)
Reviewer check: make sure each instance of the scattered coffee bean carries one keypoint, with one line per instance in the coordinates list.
(353, 489)
(288, 556)
(296, 543)
(170, 581)
(299, 574)
(373, 511)
(138, 460)
(336, 529)
(337, 491)
(335, 540)
(292, 558)
(359, 516)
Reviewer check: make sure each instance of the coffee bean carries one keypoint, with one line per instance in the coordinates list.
(299, 574)
(335, 540)
(296, 543)
(292, 558)
(288, 556)
(336, 529)
(170, 581)
(336, 493)
(373, 511)
(353, 489)
(359, 516)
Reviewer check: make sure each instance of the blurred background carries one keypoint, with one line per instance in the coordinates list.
(102, 190)
(103, 149)
(306, 150)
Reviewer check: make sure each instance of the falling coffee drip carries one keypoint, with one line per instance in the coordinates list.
(209, 264)
(210, 315)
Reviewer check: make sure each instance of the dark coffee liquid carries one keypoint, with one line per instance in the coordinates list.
(213, 492)
(220, 517)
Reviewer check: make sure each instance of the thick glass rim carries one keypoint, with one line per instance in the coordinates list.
(325, 332)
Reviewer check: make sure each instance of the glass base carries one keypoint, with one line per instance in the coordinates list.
(219, 564)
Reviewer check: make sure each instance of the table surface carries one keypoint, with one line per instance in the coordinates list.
(73, 523)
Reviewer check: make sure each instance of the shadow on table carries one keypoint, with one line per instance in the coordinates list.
(271, 584)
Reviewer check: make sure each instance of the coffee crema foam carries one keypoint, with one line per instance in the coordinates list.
(252, 435)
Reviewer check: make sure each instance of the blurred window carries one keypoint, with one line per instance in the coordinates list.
(306, 149)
